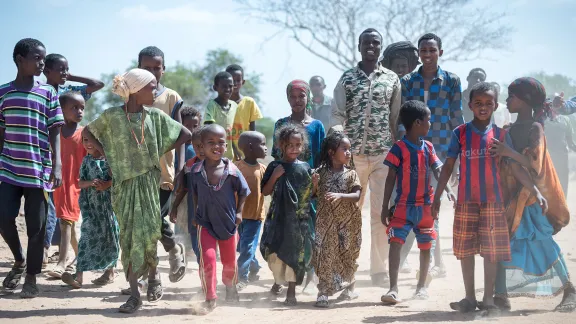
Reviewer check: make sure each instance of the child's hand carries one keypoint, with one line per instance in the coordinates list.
(436, 208)
(498, 148)
(56, 175)
(194, 222)
(174, 215)
(451, 196)
(238, 219)
(542, 202)
(333, 197)
(278, 172)
(385, 216)
(101, 185)
(315, 179)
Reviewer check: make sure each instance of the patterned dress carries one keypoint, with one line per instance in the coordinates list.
(99, 245)
(338, 237)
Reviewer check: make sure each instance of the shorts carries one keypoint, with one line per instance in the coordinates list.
(416, 218)
(67, 222)
(481, 228)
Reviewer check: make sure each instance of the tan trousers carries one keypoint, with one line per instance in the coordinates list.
(282, 273)
(372, 173)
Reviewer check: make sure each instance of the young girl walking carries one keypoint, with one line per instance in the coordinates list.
(133, 138)
(99, 245)
(537, 268)
(286, 242)
(338, 222)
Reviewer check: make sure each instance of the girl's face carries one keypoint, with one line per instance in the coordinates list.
(292, 148)
(342, 155)
(89, 147)
(514, 104)
(298, 100)
(147, 94)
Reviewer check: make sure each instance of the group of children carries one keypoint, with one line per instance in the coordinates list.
(212, 185)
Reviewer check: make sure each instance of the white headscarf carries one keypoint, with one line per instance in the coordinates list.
(131, 82)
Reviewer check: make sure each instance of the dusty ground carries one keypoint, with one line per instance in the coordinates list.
(58, 304)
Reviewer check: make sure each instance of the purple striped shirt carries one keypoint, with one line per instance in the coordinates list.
(26, 116)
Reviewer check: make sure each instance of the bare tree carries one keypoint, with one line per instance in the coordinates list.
(329, 29)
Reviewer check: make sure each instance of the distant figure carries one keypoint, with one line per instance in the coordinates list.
(501, 116)
(321, 103)
(401, 58)
(475, 76)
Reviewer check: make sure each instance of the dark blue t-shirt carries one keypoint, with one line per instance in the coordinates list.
(188, 154)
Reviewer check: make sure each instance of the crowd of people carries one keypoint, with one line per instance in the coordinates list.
(405, 132)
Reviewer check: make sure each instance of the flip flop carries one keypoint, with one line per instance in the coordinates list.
(12, 280)
(391, 298)
(29, 290)
(421, 294)
(464, 306)
(322, 302)
(347, 295)
(567, 305)
(132, 304)
(70, 279)
(56, 273)
(103, 280)
(276, 289)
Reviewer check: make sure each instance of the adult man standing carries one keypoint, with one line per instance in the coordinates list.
(367, 103)
(321, 103)
(475, 76)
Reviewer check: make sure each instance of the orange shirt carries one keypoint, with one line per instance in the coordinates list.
(72, 153)
(254, 205)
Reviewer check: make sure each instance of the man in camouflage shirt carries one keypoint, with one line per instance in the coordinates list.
(366, 104)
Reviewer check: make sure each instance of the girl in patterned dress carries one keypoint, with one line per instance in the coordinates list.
(99, 246)
(338, 222)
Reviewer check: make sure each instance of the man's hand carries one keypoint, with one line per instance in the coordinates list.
(385, 216)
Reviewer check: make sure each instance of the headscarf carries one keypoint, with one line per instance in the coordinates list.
(304, 86)
(533, 93)
(404, 49)
(131, 82)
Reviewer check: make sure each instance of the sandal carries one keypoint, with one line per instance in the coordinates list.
(464, 306)
(12, 280)
(177, 264)
(103, 280)
(347, 295)
(29, 290)
(132, 304)
(56, 273)
(391, 298)
(54, 257)
(277, 289)
(70, 279)
(567, 305)
(155, 290)
(142, 284)
(421, 294)
(437, 272)
(322, 302)
(290, 301)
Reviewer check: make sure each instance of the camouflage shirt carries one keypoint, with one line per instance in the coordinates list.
(367, 107)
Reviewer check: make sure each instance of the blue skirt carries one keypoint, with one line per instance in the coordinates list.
(537, 268)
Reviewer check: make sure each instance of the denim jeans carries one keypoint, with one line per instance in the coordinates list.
(249, 231)
(51, 237)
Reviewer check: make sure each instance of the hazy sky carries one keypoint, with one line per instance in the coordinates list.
(100, 36)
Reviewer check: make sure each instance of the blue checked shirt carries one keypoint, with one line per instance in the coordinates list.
(444, 101)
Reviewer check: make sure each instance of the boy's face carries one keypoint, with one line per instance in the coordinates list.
(198, 148)
(224, 88)
(191, 123)
(257, 147)
(483, 105)
(317, 87)
(343, 154)
(298, 100)
(239, 81)
(214, 145)
(475, 78)
(422, 126)
(154, 65)
(370, 46)
(58, 73)
(293, 147)
(400, 66)
(33, 63)
(73, 109)
(429, 52)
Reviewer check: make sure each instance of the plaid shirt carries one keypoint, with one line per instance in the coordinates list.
(367, 107)
(444, 101)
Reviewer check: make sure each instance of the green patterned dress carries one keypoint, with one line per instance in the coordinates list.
(98, 248)
(136, 178)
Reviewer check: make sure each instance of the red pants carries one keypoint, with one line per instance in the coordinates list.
(207, 245)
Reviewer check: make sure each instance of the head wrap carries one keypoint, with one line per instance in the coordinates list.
(533, 93)
(303, 86)
(404, 49)
(131, 82)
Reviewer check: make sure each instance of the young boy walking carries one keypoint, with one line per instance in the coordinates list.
(66, 197)
(411, 160)
(253, 145)
(219, 190)
(29, 161)
(247, 112)
(222, 110)
(480, 226)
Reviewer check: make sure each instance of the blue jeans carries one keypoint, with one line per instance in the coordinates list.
(51, 225)
(249, 231)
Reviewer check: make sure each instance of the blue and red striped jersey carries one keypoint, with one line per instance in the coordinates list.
(479, 170)
(413, 165)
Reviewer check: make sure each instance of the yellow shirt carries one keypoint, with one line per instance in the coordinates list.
(247, 112)
(225, 118)
(254, 205)
(165, 101)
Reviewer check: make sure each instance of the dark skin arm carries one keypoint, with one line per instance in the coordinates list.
(239, 208)
(449, 192)
(92, 85)
(388, 189)
(442, 181)
(182, 149)
(102, 185)
(83, 184)
(353, 196)
(524, 178)
(177, 201)
(184, 137)
(268, 188)
(56, 175)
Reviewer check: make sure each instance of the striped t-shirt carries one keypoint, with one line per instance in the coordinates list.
(26, 116)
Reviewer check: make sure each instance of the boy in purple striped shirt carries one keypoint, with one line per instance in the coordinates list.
(30, 121)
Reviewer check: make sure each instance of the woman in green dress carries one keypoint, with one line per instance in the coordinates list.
(133, 138)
